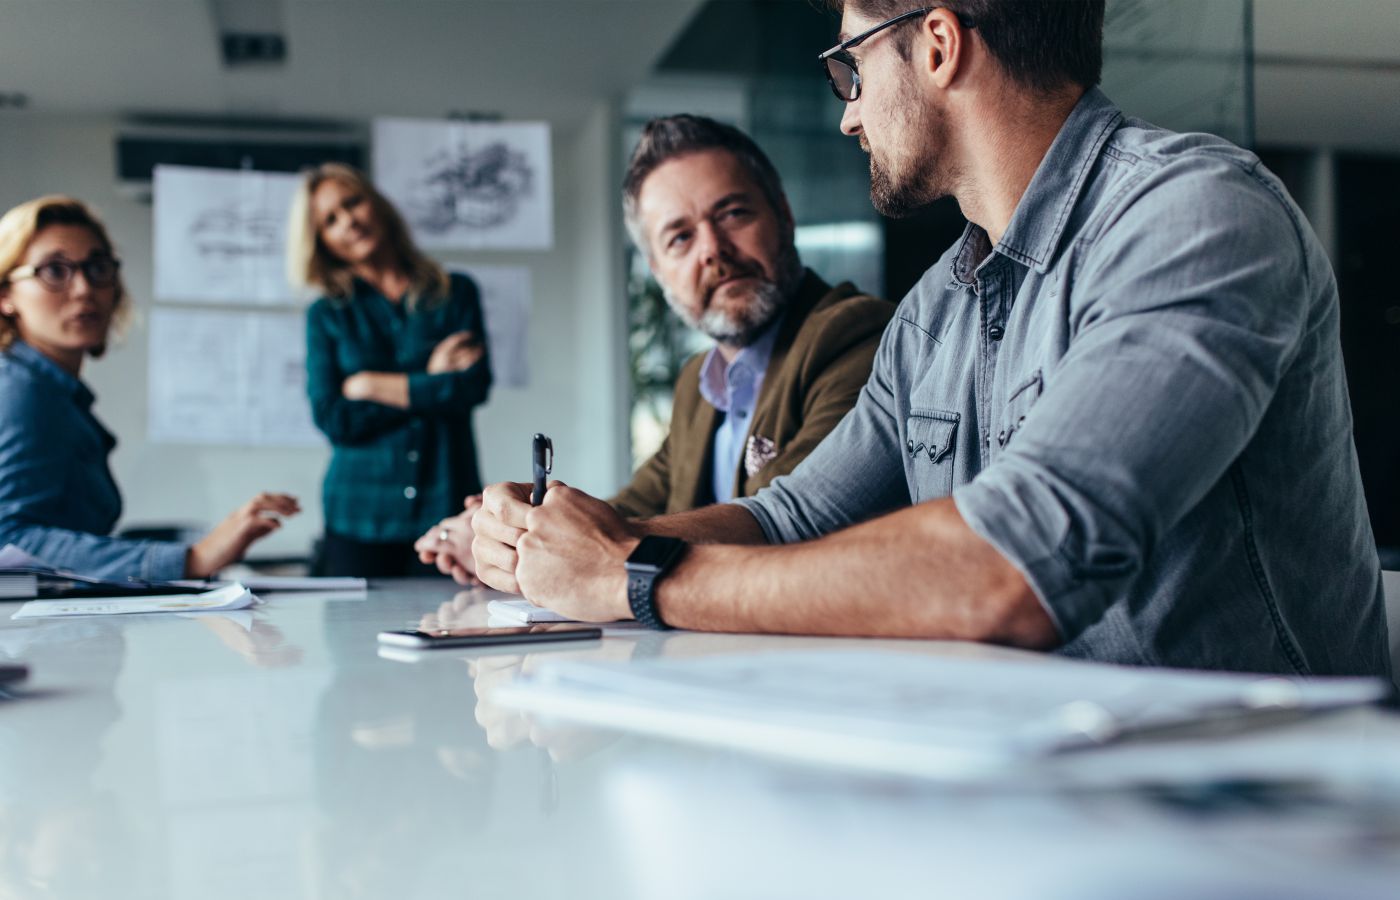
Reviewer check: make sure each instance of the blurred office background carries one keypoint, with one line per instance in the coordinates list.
(1311, 86)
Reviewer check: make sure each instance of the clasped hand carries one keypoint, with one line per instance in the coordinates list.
(567, 554)
(448, 545)
(457, 352)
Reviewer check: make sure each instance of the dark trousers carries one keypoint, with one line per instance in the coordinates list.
(343, 556)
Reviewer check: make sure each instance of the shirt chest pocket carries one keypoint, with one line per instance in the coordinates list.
(1018, 404)
(929, 441)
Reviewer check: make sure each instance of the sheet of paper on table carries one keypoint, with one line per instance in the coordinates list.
(905, 713)
(231, 596)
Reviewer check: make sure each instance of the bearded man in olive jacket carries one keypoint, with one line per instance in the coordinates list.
(791, 353)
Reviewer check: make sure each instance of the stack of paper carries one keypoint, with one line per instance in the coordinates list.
(513, 613)
(942, 717)
(18, 585)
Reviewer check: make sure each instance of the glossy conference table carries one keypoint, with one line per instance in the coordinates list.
(273, 753)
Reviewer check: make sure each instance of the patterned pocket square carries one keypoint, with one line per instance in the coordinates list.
(759, 453)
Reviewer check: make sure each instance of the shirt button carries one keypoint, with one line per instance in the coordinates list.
(995, 332)
(413, 456)
(410, 492)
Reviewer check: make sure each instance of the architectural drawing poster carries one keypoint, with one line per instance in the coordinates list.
(468, 185)
(220, 235)
(505, 302)
(229, 378)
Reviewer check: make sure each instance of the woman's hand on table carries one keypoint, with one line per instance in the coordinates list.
(232, 537)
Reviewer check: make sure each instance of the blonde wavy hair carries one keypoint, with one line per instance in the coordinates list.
(311, 263)
(21, 225)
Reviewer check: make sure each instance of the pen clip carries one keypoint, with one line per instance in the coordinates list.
(544, 454)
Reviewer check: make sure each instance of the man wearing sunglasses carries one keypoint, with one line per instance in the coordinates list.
(1112, 420)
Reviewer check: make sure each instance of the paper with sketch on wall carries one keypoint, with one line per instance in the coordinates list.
(468, 185)
(233, 596)
(228, 378)
(221, 235)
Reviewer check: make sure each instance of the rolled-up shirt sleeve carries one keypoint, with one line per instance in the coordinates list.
(1182, 326)
(95, 555)
(855, 473)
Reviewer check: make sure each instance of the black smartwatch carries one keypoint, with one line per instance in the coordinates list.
(654, 557)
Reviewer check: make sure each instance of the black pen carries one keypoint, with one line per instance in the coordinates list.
(542, 454)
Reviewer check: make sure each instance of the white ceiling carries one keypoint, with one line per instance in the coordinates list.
(1328, 73)
(1328, 70)
(346, 59)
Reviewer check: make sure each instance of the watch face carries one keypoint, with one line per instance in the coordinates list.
(655, 553)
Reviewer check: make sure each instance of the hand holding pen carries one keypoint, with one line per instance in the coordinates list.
(501, 520)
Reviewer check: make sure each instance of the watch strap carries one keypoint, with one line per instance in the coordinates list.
(643, 577)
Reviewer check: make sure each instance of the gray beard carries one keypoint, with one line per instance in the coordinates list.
(766, 301)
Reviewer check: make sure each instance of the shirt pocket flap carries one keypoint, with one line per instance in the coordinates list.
(1018, 404)
(931, 434)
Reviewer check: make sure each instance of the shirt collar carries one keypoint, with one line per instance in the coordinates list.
(1040, 219)
(715, 376)
(45, 369)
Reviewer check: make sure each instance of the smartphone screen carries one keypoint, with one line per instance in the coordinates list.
(485, 637)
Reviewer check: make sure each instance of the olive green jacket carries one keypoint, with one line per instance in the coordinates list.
(821, 359)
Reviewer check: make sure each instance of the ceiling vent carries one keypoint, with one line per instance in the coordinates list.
(243, 48)
(251, 32)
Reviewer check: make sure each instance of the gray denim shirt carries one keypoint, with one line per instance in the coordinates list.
(1137, 397)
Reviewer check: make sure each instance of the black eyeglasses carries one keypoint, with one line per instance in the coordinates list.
(100, 271)
(840, 65)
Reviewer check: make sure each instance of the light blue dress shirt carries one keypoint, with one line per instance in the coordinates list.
(733, 390)
(57, 497)
(1137, 396)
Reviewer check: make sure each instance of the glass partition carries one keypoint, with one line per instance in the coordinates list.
(1183, 64)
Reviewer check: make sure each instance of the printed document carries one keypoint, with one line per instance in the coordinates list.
(232, 596)
(930, 716)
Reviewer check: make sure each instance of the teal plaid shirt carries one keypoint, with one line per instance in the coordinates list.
(395, 473)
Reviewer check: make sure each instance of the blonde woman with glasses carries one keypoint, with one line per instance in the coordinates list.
(396, 364)
(61, 297)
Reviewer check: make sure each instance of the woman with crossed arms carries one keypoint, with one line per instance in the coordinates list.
(396, 364)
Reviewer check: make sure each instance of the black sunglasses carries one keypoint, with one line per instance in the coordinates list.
(840, 65)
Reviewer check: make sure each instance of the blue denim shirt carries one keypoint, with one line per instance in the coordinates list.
(1137, 396)
(57, 497)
